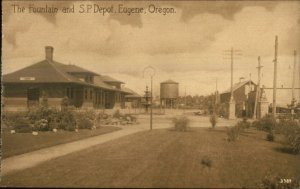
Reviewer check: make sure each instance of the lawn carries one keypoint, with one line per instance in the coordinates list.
(164, 158)
(19, 143)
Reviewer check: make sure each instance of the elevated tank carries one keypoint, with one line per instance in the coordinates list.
(169, 89)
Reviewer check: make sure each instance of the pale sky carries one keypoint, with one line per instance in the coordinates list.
(187, 47)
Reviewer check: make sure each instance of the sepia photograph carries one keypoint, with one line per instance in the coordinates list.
(150, 94)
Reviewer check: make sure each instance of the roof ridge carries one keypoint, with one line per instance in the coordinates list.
(59, 71)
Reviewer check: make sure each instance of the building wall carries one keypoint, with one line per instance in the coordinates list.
(16, 96)
(244, 100)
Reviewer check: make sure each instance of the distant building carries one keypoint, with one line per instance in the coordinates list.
(84, 89)
(244, 94)
(132, 100)
(169, 92)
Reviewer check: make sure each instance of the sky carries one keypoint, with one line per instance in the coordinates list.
(188, 46)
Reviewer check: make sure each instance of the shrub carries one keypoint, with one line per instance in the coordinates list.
(244, 124)
(213, 120)
(41, 125)
(43, 118)
(181, 123)
(270, 136)
(266, 123)
(233, 133)
(22, 126)
(66, 121)
(130, 117)
(10, 118)
(206, 161)
(291, 131)
(117, 114)
(84, 123)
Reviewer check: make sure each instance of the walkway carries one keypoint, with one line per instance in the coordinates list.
(34, 158)
(31, 159)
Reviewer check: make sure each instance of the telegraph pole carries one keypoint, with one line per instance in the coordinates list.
(231, 68)
(275, 78)
(293, 84)
(233, 54)
(216, 91)
(184, 99)
(257, 96)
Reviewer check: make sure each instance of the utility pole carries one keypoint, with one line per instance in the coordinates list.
(151, 106)
(184, 99)
(257, 96)
(216, 97)
(231, 68)
(275, 78)
(293, 85)
(216, 91)
(233, 54)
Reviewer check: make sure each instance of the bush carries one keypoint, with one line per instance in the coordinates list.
(66, 121)
(270, 137)
(9, 119)
(41, 125)
(117, 114)
(233, 133)
(266, 123)
(22, 126)
(84, 123)
(43, 118)
(213, 120)
(243, 124)
(181, 123)
(206, 161)
(291, 131)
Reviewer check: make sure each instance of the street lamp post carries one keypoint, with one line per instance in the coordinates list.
(151, 73)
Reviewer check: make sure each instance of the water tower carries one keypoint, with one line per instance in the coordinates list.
(169, 91)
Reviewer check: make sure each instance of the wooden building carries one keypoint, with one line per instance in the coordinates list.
(244, 96)
(54, 81)
(132, 100)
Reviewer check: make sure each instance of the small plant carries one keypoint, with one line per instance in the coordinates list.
(270, 136)
(233, 133)
(181, 123)
(291, 132)
(22, 126)
(206, 161)
(84, 123)
(213, 120)
(266, 123)
(67, 121)
(117, 114)
(41, 125)
(65, 103)
(10, 118)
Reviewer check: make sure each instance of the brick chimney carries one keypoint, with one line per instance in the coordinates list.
(49, 52)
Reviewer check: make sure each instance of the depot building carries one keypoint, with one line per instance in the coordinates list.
(55, 81)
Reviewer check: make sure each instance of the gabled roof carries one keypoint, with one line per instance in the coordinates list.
(42, 72)
(109, 79)
(99, 82)
(47, 71)
(131, 93)
(71, 68)
(169, 81)
(238, 85)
